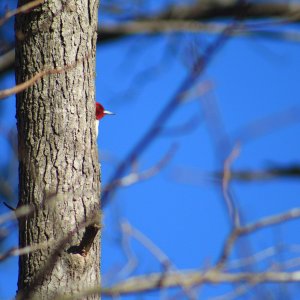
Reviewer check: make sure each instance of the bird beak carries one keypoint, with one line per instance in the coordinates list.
(107, 112)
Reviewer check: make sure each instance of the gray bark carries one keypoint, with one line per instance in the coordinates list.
(58, 158)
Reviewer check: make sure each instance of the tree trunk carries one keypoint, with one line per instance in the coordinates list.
(58, 159)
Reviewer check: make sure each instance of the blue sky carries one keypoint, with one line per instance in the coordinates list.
(251, 79)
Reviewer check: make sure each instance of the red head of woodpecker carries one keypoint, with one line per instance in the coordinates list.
(100, 113)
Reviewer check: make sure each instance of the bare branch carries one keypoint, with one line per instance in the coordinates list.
(109, 32)
(135, 177)
(147, 243)
(187, 19)
(153, 282)
(24, 85)
(22, 9)
(141, 284)
(20, 212)
(270, 221)
(224, 9)
(164, 260)
(22, 251)
(192, 278)
(7, 61)
(250, 228)
(232, 210)
(170, 108)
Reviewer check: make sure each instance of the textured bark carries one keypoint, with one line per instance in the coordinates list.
(59, 169)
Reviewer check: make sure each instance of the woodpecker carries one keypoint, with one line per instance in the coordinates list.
(100, 113)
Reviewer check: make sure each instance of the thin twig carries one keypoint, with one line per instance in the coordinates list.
(135, 176)
(250, 228)
(24, 85)
(22, 9)
(26, 250)
(232, 209)
(170, 108)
